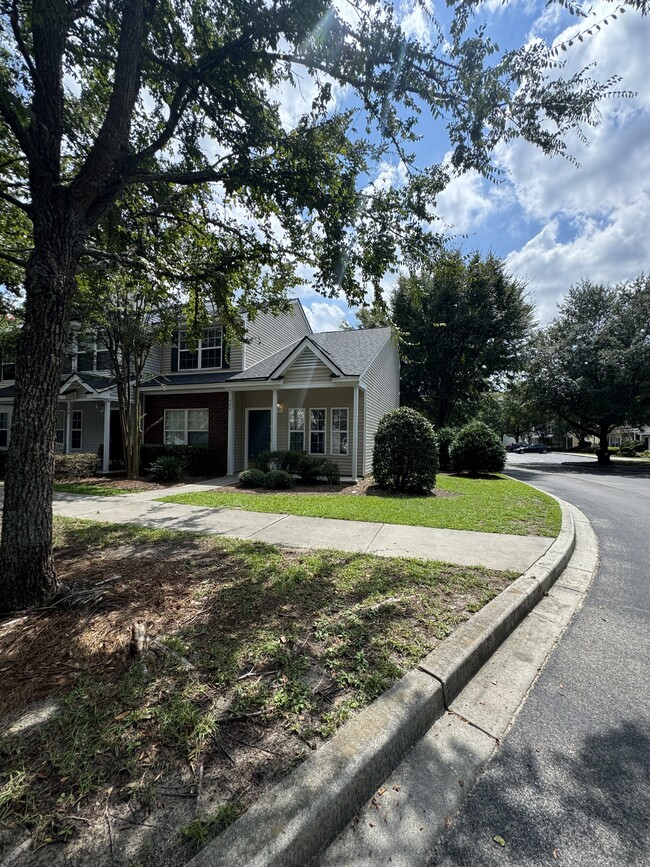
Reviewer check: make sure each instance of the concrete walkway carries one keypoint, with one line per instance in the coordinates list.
(463, 547)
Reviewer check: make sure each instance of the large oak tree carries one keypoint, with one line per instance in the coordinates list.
(591, 365)
(101, 96)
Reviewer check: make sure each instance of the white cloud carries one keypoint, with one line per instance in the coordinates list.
(593, 218)
(325, 316)
(467, 200)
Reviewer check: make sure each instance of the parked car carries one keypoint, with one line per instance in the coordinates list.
(540, 448)
(512, 447)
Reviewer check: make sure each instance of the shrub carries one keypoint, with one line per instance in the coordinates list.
(445, 437)
(289, 460)
(329, 472)
(477, 449)
(278, 479)
(261, 461)
(168, 468)
(199, 460)
(75, 466)
(405, 457)
(252, 478)
(631, 448)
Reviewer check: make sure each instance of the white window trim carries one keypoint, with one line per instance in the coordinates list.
(80, 429)
(7, 410)
(304, 425)
(185, 428)
(324, 431)
(334, 409)
(199, 349)
(93, 347)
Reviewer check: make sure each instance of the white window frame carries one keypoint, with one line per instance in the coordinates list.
(323, 431)
(294, 430)
(6, 411)
(186, 430)
(74, 429)
(200, 349)
(346, 410)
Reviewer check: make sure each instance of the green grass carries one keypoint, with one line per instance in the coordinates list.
(296, 642)
(94, 490)
(493, 505)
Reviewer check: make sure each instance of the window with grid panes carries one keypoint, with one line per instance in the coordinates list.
(317, 422)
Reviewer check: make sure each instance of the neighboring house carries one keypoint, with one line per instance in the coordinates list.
(285, 387)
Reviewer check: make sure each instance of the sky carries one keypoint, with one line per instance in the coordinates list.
(553, 222)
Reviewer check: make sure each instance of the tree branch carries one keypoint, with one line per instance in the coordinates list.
(113, 135)
(22, 263)
(24, 206)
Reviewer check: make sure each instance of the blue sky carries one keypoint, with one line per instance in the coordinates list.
(553, 223)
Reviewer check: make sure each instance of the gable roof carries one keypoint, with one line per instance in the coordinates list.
(348, 351)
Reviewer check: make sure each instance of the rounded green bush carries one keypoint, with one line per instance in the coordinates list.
(405, 457)
(278, 479)
(252, 478)
(329, 472)
(477, 449)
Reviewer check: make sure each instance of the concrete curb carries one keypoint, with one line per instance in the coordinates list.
(300, 816)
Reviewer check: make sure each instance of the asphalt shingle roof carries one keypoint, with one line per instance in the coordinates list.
(350, 351)
(193, 378)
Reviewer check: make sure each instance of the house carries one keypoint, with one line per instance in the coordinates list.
(283, 387)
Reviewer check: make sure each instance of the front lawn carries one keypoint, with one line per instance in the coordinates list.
(256, 656)
(493, 505)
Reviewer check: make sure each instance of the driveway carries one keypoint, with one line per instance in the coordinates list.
(571, 782)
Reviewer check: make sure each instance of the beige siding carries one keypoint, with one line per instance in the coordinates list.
(307, 368)
(303, 398)
(268, 333)
(382, 394)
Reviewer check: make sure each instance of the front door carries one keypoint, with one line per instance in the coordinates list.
(116, 448)
(259, 432)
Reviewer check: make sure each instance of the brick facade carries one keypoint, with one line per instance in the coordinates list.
(217, 405)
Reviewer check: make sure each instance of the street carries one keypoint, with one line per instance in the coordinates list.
(571, 782)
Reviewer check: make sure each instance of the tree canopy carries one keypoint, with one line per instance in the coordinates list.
(462, 324)
(591, 365)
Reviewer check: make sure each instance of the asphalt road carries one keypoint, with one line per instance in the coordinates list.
(570, 784)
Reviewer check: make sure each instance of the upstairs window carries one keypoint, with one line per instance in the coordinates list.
(206, 353)
(5, 424)
(8, 365)
(85, 354)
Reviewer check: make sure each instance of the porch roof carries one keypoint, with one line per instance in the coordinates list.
(349, 351)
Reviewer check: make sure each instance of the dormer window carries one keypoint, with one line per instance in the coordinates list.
(206, 353)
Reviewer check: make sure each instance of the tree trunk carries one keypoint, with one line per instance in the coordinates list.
(27, 575)
(603, 452)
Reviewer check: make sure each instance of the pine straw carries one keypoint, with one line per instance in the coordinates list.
(44, 651)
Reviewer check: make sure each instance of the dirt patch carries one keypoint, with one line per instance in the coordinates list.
(256, 655)
(118, 483)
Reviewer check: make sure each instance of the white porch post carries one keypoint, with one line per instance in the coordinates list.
(274, 421)
(106, 457)
(355, 431)
(230, 463)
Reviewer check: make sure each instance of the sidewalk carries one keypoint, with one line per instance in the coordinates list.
(463, 547)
